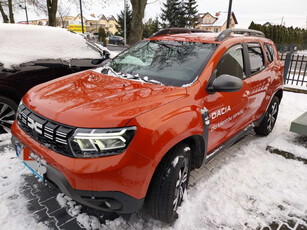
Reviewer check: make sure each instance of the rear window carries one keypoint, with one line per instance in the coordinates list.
(256, 57)
(269, 52)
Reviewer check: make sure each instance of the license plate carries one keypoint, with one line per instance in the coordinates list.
(37, 165)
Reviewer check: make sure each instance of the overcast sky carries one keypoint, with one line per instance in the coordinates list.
(259, 11)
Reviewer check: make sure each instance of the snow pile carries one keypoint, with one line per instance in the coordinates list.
(13, 205)
(4, 137)
(74, 210)
(24, 43)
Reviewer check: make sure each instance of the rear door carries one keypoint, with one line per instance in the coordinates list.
(227, 110)
(258, 80)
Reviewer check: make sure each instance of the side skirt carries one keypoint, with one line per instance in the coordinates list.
(236, 138)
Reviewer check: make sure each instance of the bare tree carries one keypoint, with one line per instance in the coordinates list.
(52, 6)
(4, 16)
(63, 12)
(138, 10)
(11, 11)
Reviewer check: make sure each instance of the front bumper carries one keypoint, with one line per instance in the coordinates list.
(115, 183)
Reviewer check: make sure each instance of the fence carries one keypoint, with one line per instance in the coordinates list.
(295, 72)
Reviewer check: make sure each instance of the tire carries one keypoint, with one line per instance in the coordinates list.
(8, 110)
(170, 181)
(267, 124)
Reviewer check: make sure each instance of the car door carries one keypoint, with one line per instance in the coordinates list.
(258, 81)
(227, 110)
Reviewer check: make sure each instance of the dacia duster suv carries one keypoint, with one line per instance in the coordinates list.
(129, 133)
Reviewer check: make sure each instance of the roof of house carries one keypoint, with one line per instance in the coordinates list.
(268, 24)
(221, 19)
(90, 18)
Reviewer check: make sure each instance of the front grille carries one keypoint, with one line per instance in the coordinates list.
(51, 134)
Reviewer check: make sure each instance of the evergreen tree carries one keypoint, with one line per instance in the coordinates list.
(282, 35)
(172, 13)
(182, 15)
(150, 27)
(120, 27)
(191, 13)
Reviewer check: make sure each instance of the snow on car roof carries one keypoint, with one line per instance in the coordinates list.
(24, 43)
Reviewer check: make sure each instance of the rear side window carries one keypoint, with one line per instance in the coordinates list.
(231, 63)
(269, 52)
(256, 57)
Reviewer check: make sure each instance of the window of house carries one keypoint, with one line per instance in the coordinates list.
(256, 58)
(216, 30)
(209, 20)
(111, 26)
(232, 63)
(205, 20)
(269, 52)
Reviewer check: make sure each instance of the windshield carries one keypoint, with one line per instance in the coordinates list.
(174, 63)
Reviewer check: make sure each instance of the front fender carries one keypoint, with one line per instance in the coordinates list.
(162, 128)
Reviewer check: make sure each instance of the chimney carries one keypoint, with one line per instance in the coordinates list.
(93, 15)
(217, 13)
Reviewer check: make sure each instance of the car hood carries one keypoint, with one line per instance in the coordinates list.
(93, 100)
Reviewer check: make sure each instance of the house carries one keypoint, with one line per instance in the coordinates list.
(93, 23)
(64, 21)
(40, 22)
(267, 24)
(215, 22)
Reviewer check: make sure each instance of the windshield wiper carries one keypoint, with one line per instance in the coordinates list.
(109, 71)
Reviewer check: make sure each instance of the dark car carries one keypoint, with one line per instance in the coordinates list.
(116, 40)
(25, 61)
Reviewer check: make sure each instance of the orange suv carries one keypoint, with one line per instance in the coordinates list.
(130, 132)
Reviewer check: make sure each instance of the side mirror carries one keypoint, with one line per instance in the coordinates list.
(226, 83)
(105, 56)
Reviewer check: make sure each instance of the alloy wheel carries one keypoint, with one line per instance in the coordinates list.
(272, 116)
(7, 117)
(181, 183)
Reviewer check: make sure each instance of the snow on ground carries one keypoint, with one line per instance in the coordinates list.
(302, 52)
(13, 205)
(23, 43)
(251, 188)
(285, 143)
(301, 87)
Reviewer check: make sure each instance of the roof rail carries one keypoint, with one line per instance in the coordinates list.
(178, 31)
(226, 33)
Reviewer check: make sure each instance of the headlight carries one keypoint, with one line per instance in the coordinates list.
(20, 107)
(101, 142)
